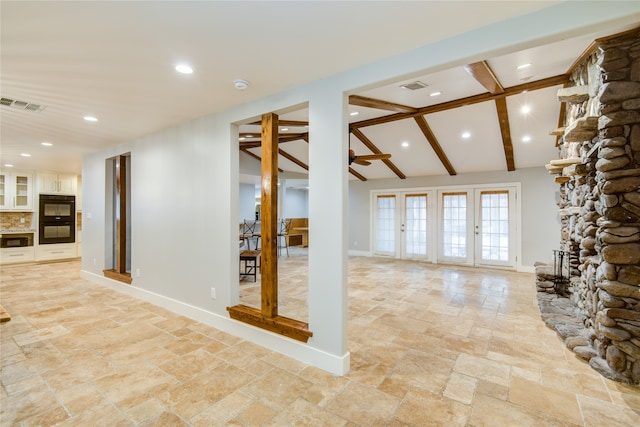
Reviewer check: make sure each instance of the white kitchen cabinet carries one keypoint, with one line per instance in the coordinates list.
(54, 183)
(13, 255)
(56, 251)
(16, 191)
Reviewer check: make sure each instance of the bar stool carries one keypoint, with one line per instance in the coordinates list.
(251, 263)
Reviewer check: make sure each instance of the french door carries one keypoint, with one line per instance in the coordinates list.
(402, 222)
(469, 226)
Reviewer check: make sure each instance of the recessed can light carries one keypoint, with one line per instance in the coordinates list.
(435, 93)
(25, 154)
(90, 119)
(526, 138)
(284, 129)
(184, 69)
(466, 135)
(354, 113)
(241, 84)
(523, 66)
(405, 144)
(46, 144)
(8, 165)
(525, 109)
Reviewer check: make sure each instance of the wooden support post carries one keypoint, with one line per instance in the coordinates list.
(269, 227)
(121, 214)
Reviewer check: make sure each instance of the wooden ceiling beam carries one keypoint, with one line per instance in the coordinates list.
(470, 100)
(485, 76)
(375, 150)
(505, 130)
(293, 123)
(293, 159)
(255, 156)
(435, 145)
(356, 174)
(379, 104)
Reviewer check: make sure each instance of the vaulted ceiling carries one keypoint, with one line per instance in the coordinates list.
(496, 114)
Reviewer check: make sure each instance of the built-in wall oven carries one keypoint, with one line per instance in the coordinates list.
(57, 219)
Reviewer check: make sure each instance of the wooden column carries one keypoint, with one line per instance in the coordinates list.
(267, 317)
(121, 214)
(269, 226)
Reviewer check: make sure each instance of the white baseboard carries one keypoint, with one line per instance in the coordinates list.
(526, 269)
(337, 365)
(358, 253)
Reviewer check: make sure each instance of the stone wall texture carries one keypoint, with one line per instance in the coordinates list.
(600, 204)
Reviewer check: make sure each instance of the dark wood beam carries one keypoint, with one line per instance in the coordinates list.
(293, 123)
(380, 104)
(288, 137)
(121, 214)
(470, 100)
(356, 174)
(435, 145)
(255, 156)
(375, 150)
(505, 130)
(293, 159)
(594, 44)
(485, 76)
(269, 209)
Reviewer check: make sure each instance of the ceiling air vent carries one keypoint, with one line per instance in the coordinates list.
(22, 105)
(414, 86)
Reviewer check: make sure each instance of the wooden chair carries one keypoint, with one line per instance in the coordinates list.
(283, 233)
(251, 261)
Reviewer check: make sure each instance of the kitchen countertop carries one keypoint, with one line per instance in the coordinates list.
(17, 230)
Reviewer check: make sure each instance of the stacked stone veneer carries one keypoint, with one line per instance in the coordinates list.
(599, 177)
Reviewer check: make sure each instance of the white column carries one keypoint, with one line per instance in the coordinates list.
(328, 186)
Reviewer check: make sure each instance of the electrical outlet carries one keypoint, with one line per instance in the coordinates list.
(213, 293)
(21, 220)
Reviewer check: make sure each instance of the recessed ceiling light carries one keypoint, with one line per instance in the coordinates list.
(242, 138)
(405, 144)
(435, 93)
(249, 136)
(90, 119)
(46, 144)
(8, 165)
(25, 154)
(284, 129)
(466, 135)
(526, 138)
(525, 109)
(184, 69)
(523, 66)
(354, 113)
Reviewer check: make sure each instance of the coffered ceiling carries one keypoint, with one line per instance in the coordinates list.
(115, 61)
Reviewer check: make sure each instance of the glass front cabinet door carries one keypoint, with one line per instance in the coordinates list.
(16, 191)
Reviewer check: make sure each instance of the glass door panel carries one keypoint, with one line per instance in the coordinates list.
(494, 227)
(454, 227)
(385, 225)
(415, 226)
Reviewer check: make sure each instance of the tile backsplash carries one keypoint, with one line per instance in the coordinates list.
(12, 220)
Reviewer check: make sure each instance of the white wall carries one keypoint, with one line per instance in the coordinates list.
(247, 200)
(185, 188)
(540, 232)
(296, 203)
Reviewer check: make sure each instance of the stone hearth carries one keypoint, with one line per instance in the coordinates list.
(599, 208)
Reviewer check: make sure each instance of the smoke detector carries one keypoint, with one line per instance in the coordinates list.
(241, 84)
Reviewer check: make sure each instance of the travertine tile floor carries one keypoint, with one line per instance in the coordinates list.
(430, 345)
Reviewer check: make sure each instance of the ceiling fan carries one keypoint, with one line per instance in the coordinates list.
(365, 159)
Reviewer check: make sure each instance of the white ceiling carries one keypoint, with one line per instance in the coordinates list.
(115, 60)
